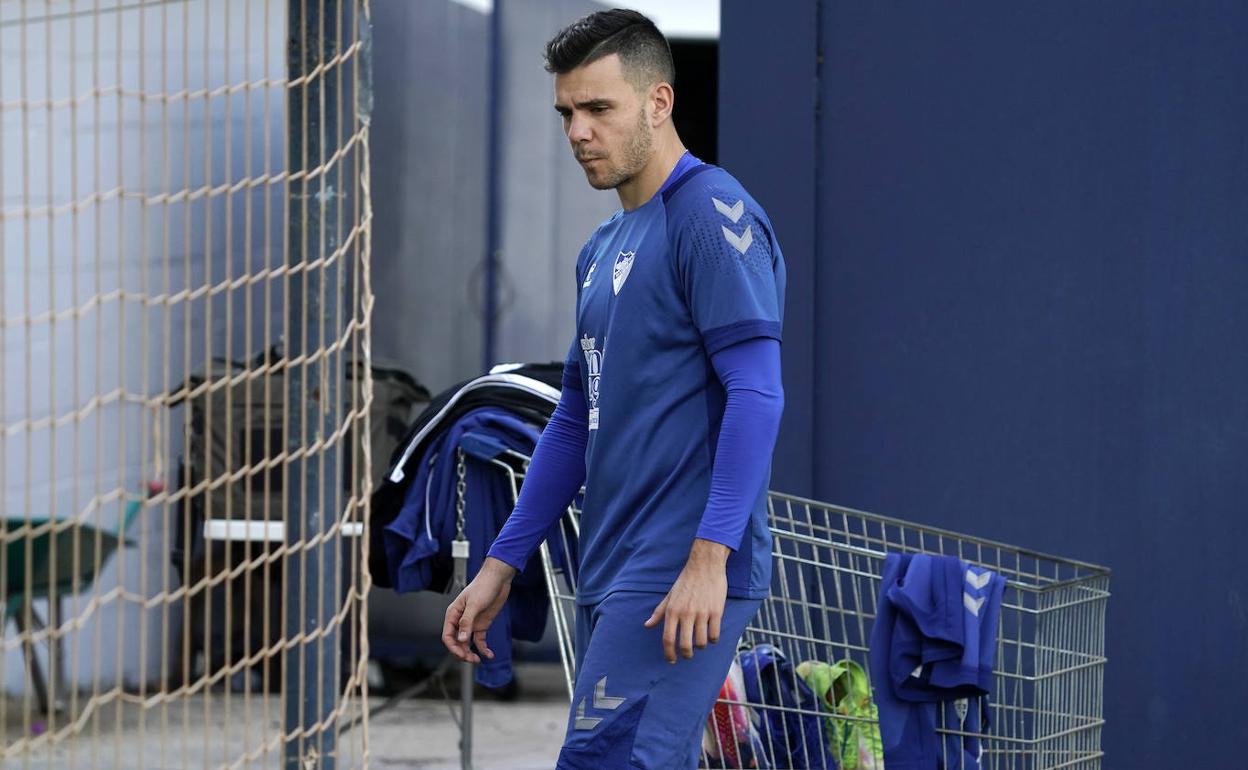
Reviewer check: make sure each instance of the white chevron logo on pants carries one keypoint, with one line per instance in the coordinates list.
(602, 701)
(583, 722)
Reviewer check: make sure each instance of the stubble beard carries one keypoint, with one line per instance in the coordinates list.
(636, 155)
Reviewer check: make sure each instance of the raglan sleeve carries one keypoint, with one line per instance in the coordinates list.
(572, 362)
(729, 269)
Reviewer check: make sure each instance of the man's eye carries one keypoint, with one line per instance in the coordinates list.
(598, 110)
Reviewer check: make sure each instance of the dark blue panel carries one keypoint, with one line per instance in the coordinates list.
(1033, 260)
(767, 94)
(1017, 302)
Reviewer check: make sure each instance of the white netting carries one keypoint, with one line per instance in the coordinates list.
(184, 382)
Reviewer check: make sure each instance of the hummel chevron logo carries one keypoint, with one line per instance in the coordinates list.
(978, 581)
(602, 701)
(583, 722)
(733, 212)
(973, 604)
(739, 242)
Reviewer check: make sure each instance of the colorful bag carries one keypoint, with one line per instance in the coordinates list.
(731, 739)
(788, 711)
(845, 691)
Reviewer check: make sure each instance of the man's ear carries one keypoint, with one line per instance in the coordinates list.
(662, 101)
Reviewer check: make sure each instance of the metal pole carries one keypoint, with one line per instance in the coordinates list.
(465, 699)
(459, 553)
(314, 390)
(494, 213)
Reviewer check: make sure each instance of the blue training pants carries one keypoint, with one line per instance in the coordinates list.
(630, 707)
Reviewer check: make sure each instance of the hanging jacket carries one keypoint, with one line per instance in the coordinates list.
(418, 540)
(530, 392)
(932, 650)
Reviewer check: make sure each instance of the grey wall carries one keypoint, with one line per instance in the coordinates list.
(429, 162)
(429, 172)
(548, 207)
(430, 67)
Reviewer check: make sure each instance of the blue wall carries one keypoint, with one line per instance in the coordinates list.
(1022, 236)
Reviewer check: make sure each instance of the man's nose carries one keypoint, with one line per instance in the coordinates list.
(579, 129)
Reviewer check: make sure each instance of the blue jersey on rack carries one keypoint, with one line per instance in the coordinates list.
(932, 654)
(659, 290)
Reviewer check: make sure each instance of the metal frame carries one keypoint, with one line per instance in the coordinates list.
(1046, 710)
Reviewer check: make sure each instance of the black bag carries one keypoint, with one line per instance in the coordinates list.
(256, 412)
(233, 428)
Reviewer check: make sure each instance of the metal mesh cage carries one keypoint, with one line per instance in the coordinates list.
(1046, 707)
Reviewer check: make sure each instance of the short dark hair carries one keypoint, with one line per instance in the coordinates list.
(644, 53)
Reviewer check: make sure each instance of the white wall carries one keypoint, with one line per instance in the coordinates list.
(109, 133)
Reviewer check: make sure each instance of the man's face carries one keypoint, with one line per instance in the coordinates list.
(605, 120)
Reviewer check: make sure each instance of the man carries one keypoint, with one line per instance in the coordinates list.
(669, 411)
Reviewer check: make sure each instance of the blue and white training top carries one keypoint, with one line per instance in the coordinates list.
(659, 290)
(932, 654)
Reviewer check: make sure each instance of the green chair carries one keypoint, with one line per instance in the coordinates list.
(43, 566)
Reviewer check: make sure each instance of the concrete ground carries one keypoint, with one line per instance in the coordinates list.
(522, 735)
(221, 730)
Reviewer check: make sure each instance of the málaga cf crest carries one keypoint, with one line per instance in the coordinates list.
(623, 266)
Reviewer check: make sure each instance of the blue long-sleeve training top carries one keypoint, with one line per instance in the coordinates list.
(676, 352)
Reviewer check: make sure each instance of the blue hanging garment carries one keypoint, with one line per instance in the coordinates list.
(932, 650)
(418, 540)
(528, 391)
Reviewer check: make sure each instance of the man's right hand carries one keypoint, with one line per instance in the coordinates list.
(470, 615)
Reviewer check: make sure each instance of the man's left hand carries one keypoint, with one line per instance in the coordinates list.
(692, 610)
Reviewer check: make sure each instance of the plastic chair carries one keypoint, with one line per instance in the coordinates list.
(43, 566)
